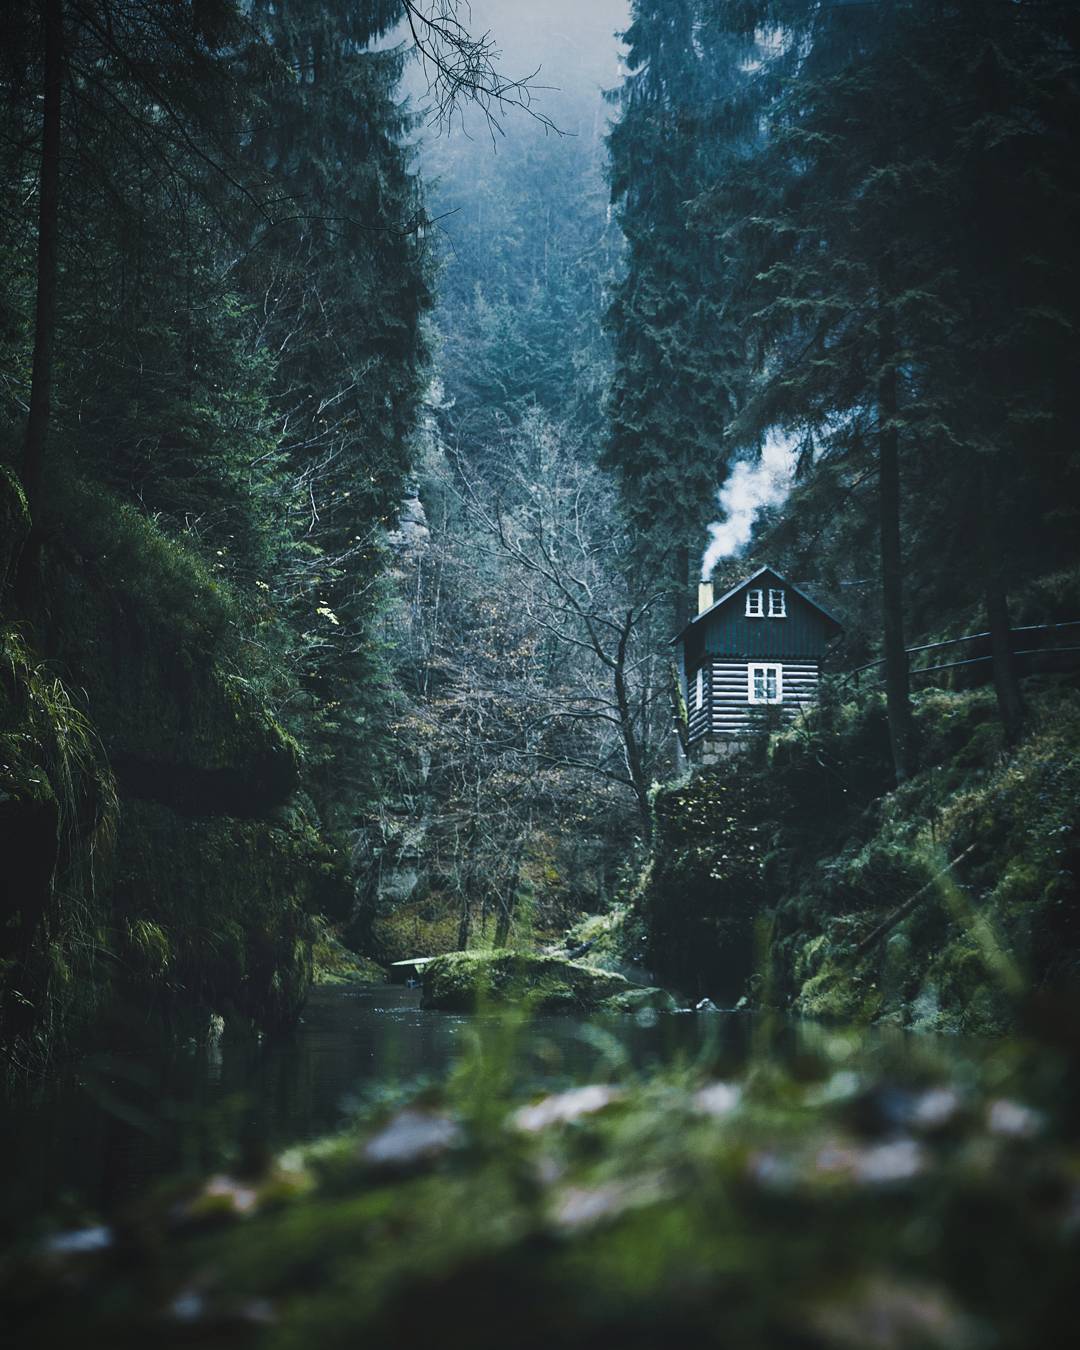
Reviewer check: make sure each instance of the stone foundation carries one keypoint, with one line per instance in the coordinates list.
(710, 751)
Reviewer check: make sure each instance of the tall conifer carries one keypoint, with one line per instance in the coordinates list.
(674, 317)
(343, 278)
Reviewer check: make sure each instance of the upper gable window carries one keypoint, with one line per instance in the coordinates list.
(777, 604)
(755, 604)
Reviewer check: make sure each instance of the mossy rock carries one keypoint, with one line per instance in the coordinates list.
(144, 628)
(335, 964)
(465, 981)
(616, 940)
(641, 998)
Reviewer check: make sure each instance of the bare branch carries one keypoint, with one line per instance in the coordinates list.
(461, 68)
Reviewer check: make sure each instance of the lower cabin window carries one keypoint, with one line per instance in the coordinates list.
(765, 684)
(699, 691)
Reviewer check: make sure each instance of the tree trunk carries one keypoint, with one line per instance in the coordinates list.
(505, 919)
(682, 587)
(37, 424)
(631, 749)
(1006, 684)
(680, 714)
(897, 693)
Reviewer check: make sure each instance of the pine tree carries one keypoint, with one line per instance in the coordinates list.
(834, 268)
(342, 280)
(914, 297)
(675, 318)
(126, 131)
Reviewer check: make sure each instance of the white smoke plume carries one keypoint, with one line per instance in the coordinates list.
(750, 488)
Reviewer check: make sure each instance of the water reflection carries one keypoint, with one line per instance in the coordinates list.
(102, 1129)
(87, 1140)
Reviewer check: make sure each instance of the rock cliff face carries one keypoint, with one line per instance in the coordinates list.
(57, 814)
(412, 534)
(150, 819)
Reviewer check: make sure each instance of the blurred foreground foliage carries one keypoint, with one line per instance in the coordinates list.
(833, 1192)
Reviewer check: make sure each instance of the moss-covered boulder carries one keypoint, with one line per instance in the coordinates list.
(145, 628)
(465, 981)
(639, 998)
(335, 964)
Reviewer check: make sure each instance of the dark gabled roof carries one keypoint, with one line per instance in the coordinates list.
(728, 595)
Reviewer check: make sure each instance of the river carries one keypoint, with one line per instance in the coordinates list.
(87, 1139)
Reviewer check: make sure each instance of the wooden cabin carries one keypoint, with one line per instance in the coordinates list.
(752, 658)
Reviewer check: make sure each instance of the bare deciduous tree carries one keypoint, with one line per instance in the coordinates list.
(571, 565)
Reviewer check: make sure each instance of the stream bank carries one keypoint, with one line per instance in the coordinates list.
(160, 860)
(784, 876)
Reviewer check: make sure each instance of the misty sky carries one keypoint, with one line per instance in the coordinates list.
(573, 41)
(575, 44)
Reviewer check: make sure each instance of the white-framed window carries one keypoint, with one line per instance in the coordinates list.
(755, 604)
(765, 684)
(777, 604)
(699, 690)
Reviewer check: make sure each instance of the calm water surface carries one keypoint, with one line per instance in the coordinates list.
(96, 1134)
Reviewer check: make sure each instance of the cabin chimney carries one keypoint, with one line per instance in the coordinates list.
(704, 596)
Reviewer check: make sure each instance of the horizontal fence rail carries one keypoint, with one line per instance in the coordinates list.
(971, 660)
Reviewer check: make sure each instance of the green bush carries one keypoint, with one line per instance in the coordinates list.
(817, 849)
(58, 817)
(704, 889)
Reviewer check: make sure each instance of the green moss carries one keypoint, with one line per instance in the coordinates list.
(999, 925)
(616, 939)
(817, 843)
(142, 625)
(209, 904)
(94, 533)
(639, 999)
(58, 815)
(703, 893)
(334, 963)
(464, 981)
(834, 995)
(234, 898)
(424, 926)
